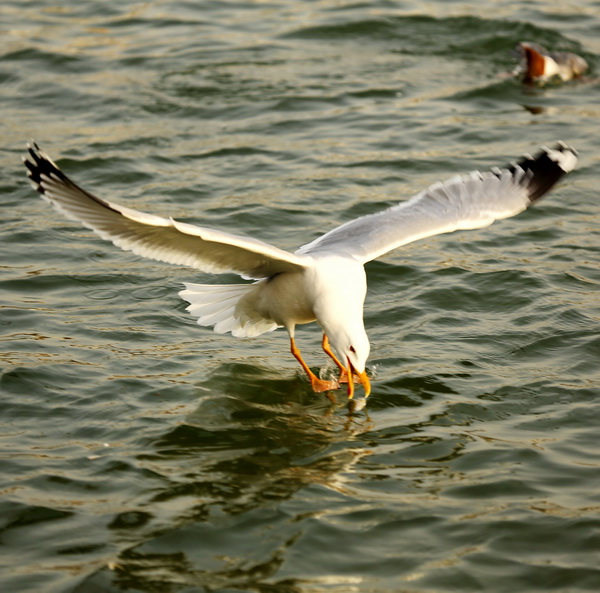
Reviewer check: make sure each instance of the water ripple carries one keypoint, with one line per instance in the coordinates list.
(141, 452)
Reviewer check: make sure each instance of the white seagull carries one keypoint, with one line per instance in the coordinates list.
(323, 281)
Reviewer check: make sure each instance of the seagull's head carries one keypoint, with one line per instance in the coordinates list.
(352, 346)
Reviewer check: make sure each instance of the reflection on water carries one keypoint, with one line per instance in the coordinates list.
(251, 444)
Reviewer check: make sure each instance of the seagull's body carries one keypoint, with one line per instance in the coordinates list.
(540, 66)
(323, 281)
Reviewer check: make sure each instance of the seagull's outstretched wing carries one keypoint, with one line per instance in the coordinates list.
(163, 239)
(467, 202)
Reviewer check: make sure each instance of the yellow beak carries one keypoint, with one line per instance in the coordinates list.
(362, 377)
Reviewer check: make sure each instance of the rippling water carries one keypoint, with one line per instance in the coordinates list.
(143, 453)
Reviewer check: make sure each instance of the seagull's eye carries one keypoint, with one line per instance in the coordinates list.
(352, 349)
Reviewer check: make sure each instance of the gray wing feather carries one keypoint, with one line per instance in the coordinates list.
(471, 201)
(158, 238)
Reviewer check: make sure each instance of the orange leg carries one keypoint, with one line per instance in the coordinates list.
(343, 370)
(327, 349)
(317, 384)
(350, 376)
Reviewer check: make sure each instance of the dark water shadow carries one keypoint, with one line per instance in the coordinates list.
(221, 517)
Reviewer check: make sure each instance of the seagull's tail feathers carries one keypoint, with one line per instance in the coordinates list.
(223, 305)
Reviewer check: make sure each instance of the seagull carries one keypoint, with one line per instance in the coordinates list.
(540, 66)
(322, 281)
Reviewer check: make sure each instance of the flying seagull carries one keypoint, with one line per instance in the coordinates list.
(324, 280)
(538, 65)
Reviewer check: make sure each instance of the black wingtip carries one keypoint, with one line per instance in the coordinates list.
(39, 164)
(46, 177)
(545, 168)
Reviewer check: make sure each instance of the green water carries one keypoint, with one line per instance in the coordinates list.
(142, 453)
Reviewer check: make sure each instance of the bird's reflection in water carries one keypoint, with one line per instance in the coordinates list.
(237, 481)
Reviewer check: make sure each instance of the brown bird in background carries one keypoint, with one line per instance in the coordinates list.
(538, 65)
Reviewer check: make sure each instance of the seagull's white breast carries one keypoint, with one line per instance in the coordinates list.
(338, 287)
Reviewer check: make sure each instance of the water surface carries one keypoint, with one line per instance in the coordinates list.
(142, 453)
